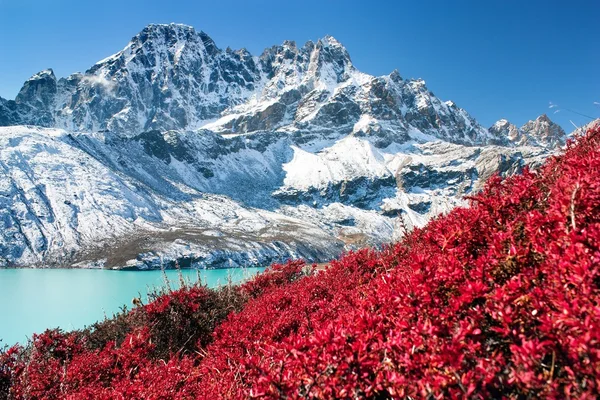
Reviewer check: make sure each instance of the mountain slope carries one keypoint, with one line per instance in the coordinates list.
(67, 198)
(60, 206)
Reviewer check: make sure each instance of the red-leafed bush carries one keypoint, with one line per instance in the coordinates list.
(498, 300)
(275, 276)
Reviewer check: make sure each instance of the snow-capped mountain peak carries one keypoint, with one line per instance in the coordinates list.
(539, 132)
(174, 77)
(39, 90)
(504, 130)
(544, 132)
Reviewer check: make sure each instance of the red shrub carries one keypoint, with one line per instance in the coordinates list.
(500, 299)
(275, 276)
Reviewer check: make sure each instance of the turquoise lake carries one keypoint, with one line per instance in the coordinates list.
(33, 300)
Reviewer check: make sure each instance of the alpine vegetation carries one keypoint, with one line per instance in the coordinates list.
(498, 299)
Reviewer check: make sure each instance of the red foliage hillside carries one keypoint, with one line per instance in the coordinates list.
(500, 299)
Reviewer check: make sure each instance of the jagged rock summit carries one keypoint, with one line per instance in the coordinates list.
(539, 132)
(174, 77)
(175, 149)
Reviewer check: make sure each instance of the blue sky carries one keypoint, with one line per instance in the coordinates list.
(497, 59)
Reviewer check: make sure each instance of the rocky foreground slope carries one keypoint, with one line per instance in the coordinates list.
(174, 149)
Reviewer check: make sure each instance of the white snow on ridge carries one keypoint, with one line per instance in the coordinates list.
(348, 159)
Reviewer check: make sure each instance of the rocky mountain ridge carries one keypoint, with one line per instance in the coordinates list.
(173, 77)
(539, 132)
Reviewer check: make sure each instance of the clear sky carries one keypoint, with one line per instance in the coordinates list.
(497, 59)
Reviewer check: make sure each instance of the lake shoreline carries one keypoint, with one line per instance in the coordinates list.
(72, 298)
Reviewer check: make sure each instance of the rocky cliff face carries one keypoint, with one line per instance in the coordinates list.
(543, 132)
(174, 149)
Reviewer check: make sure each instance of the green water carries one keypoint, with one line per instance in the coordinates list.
(33, 300)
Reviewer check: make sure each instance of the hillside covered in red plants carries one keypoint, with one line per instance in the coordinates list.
(498, 300)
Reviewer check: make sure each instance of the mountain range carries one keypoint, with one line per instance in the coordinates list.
(174, 150)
